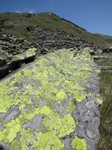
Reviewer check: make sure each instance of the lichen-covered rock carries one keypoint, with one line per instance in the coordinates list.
(51, 104)
(14, 51)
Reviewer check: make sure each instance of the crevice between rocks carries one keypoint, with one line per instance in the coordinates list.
(7, 69)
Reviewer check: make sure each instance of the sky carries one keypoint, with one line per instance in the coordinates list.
(93, 15)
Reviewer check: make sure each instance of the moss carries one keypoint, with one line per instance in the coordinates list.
(79, 144)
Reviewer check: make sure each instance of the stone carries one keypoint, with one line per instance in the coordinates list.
(91, 104)
(89, 134)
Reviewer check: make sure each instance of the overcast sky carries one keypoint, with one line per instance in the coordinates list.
(93, 15)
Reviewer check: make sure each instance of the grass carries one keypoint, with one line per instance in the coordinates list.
(109, 40)
(104, 62)
(105, 85)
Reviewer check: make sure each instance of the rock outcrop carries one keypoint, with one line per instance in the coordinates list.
(51, 103)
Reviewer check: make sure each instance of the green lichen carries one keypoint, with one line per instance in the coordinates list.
(10, 131)
(45, 110)
(99, 101)
(61, 126)
(15, 145)
(67, 126)
(49, 141)
(61, 95)
(31, 52)
(28, 53)
(79, 144)
(27, 140)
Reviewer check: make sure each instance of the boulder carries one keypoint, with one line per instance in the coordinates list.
(51, 103)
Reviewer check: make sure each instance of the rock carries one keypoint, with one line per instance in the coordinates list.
(110, 49)
(100, 51)
(14, 52)
(50, 103)
(89, 134)
(55, 39)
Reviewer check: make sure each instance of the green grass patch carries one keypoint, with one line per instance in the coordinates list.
(105, 85)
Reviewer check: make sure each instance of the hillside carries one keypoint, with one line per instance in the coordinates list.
(26, 25)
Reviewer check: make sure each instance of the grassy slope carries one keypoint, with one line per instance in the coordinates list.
(17, 23)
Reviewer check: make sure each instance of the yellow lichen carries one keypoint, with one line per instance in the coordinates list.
(79, 144)
(99, 101)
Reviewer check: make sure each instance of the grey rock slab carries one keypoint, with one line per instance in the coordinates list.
(89, 134)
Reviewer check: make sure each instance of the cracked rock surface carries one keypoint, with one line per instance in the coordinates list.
(52, 103)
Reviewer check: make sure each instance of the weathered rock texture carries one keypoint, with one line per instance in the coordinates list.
(51, 103)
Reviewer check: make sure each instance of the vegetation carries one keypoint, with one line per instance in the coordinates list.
(105, 86)
(105, 142)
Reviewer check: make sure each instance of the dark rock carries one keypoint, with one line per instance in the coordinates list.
(55, 39)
